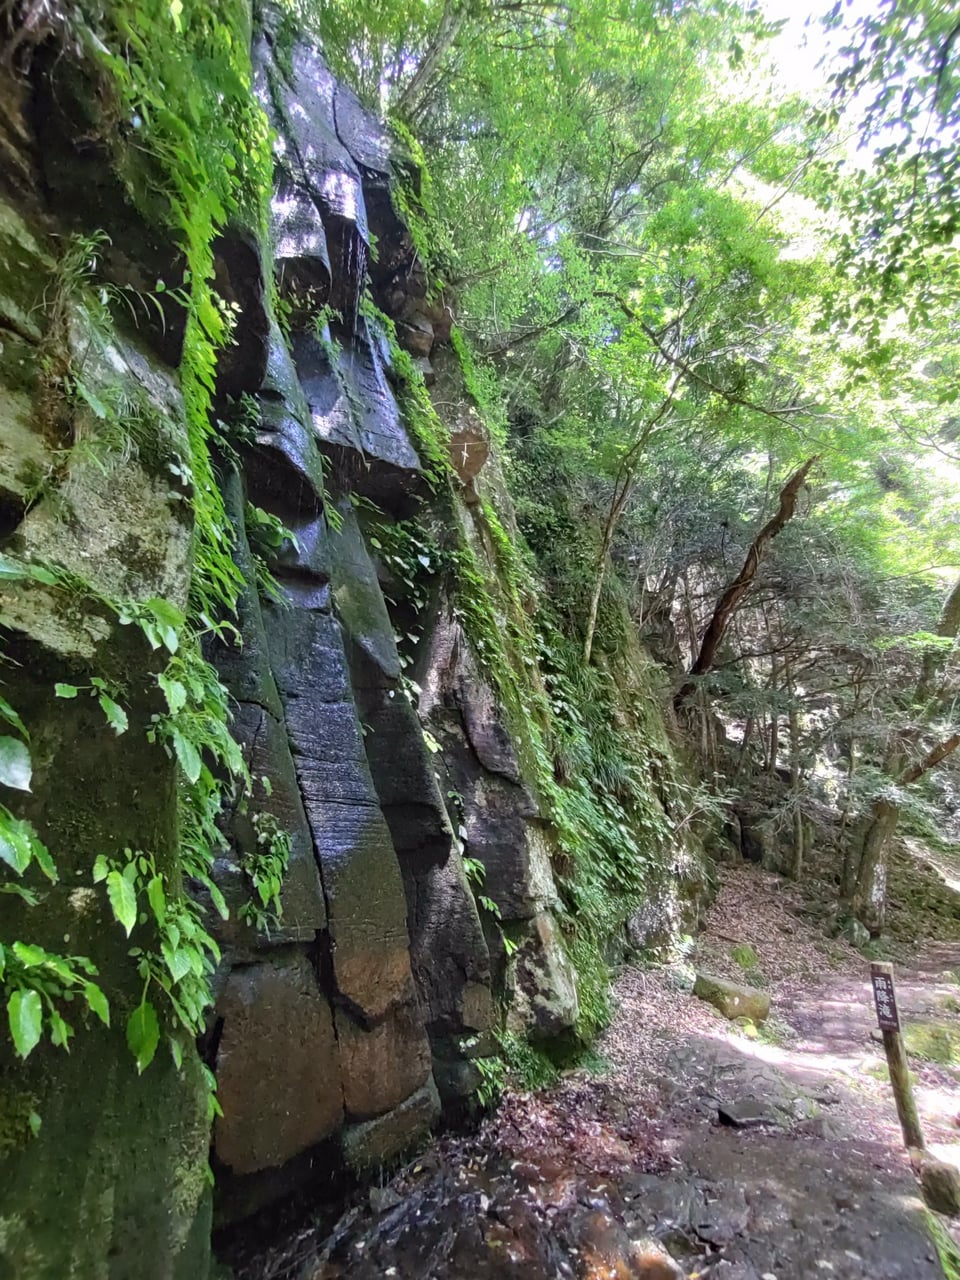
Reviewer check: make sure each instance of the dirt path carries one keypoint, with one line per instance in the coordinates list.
(630, 1174)
(820, 1185)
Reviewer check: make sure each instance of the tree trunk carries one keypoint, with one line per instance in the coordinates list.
(851, 848)
(934, 660)
(621, 493)
(622, 488)
(870, 891)
(744, 746)
(728, 603)
(451, 23)
(774, 721)
(797, 868)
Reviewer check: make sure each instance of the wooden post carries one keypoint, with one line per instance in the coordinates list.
(888, 1019)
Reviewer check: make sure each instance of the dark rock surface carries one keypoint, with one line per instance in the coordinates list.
(278, 1099)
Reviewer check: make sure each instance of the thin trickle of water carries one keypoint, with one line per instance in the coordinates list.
(361, 267)
(346, 269)
(354, 263)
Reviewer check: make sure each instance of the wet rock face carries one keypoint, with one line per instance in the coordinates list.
(116, 1173)
(275, 1104)
(502, 828)
(343, 1025)
(364, 989)
(380, 967)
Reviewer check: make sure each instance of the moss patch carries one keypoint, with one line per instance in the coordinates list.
(18, 1119)
(933, 1042)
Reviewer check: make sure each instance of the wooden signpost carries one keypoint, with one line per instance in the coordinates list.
(888, 1019)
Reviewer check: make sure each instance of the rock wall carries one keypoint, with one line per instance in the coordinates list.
(341, 1030)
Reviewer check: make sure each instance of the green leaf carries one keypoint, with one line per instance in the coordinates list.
(7, 713)
(178, 962)
(41, 855)
(143, 1034)
(16, 570)
(28, 954)
(25, 1016)
(176, 1052)
(35, 1123)
(188, 755)
(60, 1031)
(16, 847)
(123, 900)
(219, 902)
(26, 895)
(94, 402)
(174, 692)
(16, 769)
(157, 899)
(101, 868)
(97, 1002)
(164, 611)
(168, 622)
(116, 716)
(65, 690)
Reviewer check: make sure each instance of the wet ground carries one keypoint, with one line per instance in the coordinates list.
(701, 1150)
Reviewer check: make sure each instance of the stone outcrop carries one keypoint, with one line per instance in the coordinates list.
(340, 1028)
(418, 911)
(731, 999)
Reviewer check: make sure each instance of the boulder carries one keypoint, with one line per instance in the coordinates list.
(940, 1184)
(369, 1145)
(651, 1261)
(382, 1066)
(416, 336)
(731, 1000)
(278, 1068)
(746, 1113)
(541, 982)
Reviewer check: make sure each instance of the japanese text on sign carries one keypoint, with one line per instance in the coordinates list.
(885, 999)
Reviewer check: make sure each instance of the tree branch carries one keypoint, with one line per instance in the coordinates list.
(781, 414)
(729, 601)
(929, 761)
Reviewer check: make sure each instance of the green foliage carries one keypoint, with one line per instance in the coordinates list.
(194, 730)
(493, 1077)
(527, 1066)
(482, 382)
(744, 955)
(899, 75)
(413, 199)
(430, 434)
(932, 1042)
(201, 156)
(948, 1254)
(266, 535)
(195, 154)
(39, 986)
(105, 693)
(265, 868)
(176, 959)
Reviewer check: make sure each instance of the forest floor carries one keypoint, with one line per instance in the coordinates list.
(629, 1172)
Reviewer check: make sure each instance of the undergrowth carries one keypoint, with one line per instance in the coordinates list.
(948, 1254)
(189, 143)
